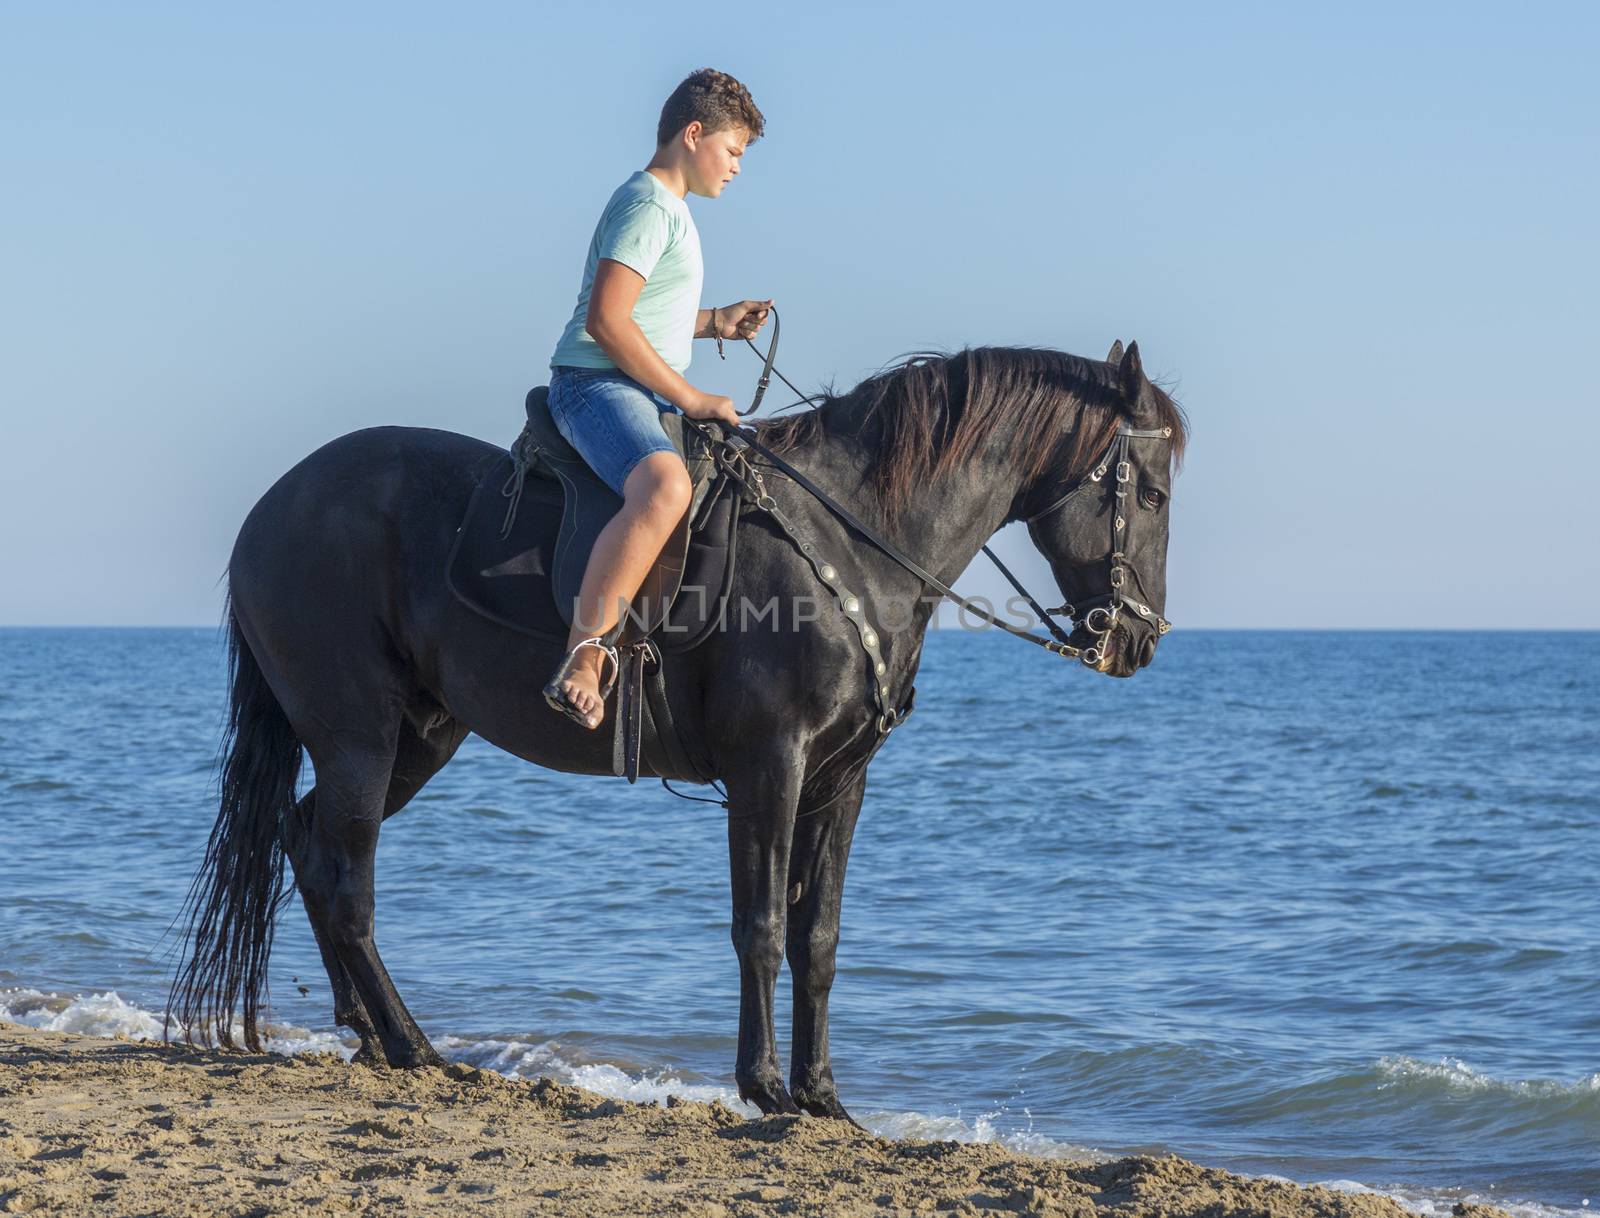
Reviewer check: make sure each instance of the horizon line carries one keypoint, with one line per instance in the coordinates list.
(935, 629)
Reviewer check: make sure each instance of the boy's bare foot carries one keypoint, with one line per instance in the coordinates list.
(583, 690)
(575, 689)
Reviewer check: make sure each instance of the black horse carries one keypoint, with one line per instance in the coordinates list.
(344, 641)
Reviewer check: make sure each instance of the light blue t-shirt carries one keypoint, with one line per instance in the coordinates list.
(648, 228)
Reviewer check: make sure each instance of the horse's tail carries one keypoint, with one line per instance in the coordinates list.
(234, 900)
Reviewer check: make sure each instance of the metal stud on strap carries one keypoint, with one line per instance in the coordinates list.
(851, 609)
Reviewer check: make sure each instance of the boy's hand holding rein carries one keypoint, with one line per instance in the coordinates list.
(742, 319)
(711, 406)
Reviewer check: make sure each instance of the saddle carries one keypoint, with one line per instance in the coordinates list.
(589, 503)
(522, 567)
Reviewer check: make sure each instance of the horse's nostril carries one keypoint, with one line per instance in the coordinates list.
(1147, 653)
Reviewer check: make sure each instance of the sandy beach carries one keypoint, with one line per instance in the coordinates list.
(112, 1127)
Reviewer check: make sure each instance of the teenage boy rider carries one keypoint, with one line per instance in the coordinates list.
(621, 359)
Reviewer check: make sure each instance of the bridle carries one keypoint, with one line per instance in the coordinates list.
(1099, 615)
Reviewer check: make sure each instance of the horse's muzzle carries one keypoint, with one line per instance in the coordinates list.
(1120, 652)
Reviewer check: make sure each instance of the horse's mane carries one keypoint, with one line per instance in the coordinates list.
(936, 409)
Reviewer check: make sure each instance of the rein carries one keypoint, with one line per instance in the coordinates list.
(1058, 645)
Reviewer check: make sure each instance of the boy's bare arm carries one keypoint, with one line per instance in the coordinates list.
(610, 323)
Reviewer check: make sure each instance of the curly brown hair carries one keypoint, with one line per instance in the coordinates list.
(714, 99)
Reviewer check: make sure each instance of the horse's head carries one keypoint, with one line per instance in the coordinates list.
(1105, 535)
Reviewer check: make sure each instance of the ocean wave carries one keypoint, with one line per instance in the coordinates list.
(551, 1059)
(1452, 1075)
(108, 1014)
(1529, 1116)
(34, 786)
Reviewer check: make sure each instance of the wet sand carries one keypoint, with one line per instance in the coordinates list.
(112, 1127)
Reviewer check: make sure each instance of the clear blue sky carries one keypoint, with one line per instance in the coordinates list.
(1359, 240)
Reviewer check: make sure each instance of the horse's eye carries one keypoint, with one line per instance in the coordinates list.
(1151, 497)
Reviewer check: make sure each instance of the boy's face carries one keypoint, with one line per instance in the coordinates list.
(713, 158)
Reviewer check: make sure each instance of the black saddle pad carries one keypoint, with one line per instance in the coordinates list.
(508, 579)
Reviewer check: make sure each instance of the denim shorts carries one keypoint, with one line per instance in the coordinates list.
(611, 419)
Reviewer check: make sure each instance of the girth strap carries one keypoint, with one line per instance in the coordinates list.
(666, 728)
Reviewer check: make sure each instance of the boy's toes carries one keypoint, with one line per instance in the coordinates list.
(577, 696)
(585, 700)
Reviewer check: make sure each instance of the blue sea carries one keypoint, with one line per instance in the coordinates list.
(1322, 906)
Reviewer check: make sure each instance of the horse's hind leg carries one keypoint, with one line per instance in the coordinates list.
(418, 758)
(348, 1011)
(336, 881)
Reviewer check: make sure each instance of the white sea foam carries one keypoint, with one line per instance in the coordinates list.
(549, 1059)
(981, 1128)
(1441, 1205)
(90, 1014)
(108, 1014)
(519, 1059)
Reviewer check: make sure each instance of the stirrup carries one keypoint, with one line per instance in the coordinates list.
(556, 696)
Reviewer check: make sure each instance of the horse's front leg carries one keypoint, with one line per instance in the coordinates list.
(760, 825)
(816, 888)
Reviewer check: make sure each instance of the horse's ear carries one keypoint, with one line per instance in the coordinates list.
(1116, 353)
(1130, 373)
(1136, 389)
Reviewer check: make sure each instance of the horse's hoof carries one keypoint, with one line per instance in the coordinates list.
(825, 1104)
(415, 1057)
(770, 1097)
(370, 1055)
